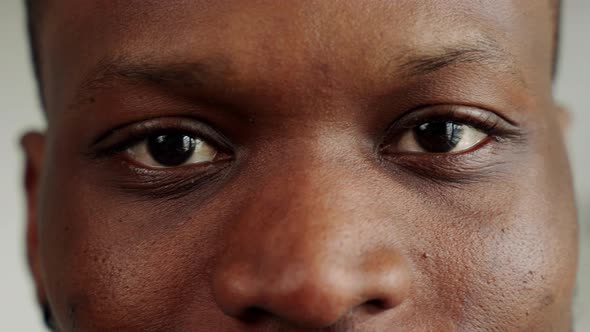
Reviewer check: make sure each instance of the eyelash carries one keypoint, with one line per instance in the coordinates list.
(124, 137)
(494, 125)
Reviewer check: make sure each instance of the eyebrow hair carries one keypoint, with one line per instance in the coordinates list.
(483, 52)
(194, 74)
(110, 71)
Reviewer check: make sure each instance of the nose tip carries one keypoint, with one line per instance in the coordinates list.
(316, 298)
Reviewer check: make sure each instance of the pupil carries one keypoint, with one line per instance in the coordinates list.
(438, 137)
(171, 149)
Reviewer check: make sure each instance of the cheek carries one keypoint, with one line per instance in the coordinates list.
(111, 262)
(506, 259)
(504, 254)
(518, 277)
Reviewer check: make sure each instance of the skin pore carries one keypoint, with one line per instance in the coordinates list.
(350, 166)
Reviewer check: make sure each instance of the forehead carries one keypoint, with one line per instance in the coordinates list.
(285, 38)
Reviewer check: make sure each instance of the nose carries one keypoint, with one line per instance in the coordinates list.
(309, 294)
(310, 263)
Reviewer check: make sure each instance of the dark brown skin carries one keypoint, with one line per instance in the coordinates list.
(311, 216)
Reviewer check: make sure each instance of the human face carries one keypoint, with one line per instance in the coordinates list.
(297, 165)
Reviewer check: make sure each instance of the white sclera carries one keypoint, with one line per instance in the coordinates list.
(202, 153)
(470, 137)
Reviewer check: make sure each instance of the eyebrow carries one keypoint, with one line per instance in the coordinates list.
(109, 72)
(214, 74)
(483, 52)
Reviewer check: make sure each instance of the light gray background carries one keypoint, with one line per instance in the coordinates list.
(19, 110)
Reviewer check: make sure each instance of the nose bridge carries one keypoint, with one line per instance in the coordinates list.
(293, 226)
(308, 205)
(298, 250)
(309, 210)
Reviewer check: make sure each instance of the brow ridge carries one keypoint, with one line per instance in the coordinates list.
(481, 52)
(111, 71)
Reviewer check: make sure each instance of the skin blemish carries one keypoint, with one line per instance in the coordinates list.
(548, 300)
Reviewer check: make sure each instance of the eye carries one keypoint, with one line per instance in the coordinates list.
(440, 137)
(172, 149)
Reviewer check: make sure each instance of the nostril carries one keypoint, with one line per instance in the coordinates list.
(376, 303)
(253, 314)
(375, 306)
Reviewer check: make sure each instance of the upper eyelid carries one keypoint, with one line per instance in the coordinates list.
(476, 117)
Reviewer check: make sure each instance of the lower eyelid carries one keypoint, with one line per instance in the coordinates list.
(168, 183)
(477, 165)
(467, 151)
